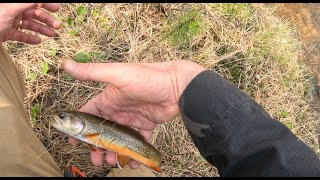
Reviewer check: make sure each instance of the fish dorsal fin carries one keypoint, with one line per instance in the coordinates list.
(122, 160)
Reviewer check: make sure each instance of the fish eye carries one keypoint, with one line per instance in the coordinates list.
(62, 115)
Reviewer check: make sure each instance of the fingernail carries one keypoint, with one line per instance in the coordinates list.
(68, 65)
(38, 40)
(56, 25)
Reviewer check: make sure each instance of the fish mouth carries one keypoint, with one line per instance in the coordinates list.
(55, 121)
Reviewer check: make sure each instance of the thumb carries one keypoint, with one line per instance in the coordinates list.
(113, 73)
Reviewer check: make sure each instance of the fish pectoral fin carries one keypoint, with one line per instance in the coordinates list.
(122, 160)
(91, 135)
(155, 169)
(93, 139)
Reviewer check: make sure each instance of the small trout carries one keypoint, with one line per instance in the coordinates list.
(126, 142)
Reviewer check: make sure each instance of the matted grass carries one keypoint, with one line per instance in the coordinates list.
(245, 43)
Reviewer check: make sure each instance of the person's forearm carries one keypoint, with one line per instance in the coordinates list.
(237, 135)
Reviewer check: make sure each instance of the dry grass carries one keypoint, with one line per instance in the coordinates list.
(245, 43)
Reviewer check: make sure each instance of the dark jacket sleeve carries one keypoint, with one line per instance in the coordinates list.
(236, 135)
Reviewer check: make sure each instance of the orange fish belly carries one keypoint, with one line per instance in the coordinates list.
(121, 150)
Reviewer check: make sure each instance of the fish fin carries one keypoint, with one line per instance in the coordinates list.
(155, 169)
(92, 135)
(122, 160)
(94, 140)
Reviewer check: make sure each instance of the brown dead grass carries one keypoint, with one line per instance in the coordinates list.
(245, 43)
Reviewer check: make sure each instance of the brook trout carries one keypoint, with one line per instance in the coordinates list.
(126, 142)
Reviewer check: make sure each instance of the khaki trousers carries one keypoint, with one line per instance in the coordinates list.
(21, 152)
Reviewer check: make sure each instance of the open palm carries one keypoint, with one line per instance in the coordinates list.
(29, 16)
(139, 95)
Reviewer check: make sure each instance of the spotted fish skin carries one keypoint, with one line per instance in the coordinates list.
(109, 135)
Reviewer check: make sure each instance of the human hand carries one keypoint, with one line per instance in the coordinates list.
(28, 16)
(139, 95)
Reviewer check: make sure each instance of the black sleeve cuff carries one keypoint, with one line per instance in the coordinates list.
(237, 135)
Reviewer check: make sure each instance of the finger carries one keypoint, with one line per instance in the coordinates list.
(20, 36)
(147, 134)
(73, 141)
(42, 16)
(113, 73)
(133, 120)
(111, 158)
(107, 117)
(53, 7)
(91, 106)
(17, 21)
(134, 164)
(97, 156)
(35, 26)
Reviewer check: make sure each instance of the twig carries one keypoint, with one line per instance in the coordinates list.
(228, 55)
